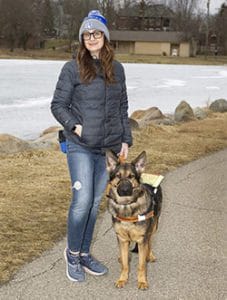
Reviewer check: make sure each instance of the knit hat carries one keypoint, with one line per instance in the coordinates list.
(94, 20)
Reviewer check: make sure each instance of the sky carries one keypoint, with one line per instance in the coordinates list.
(214, 5)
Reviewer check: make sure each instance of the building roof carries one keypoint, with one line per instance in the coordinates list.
(146, 36)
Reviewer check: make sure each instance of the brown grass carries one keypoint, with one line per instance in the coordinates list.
(35, 187)
(131, 58)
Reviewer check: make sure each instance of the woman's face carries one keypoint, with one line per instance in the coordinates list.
(93, 41)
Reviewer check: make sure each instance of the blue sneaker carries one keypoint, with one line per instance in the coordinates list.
(74, 270)
(92, 266)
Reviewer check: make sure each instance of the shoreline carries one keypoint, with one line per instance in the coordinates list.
(124, 58)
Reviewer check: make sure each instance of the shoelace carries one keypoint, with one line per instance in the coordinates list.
(75, 260)
(78, 267)
(90, 259)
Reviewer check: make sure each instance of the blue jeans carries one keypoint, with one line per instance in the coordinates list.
(89, 179)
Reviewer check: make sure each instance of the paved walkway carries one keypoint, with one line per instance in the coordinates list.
(189, 247)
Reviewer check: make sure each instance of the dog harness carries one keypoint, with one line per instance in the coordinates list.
(138, 218)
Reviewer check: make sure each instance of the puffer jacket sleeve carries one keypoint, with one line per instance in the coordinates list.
(61, 103)
(127, 134)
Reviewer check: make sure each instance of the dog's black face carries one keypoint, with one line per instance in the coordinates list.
(125, 177)
(125, 188)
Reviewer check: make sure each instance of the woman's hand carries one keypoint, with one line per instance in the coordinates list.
(124, 150)
(78, 129)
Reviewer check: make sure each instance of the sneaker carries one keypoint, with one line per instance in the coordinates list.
(92, 266)
(74, 270)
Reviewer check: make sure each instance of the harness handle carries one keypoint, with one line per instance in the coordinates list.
(121, 159)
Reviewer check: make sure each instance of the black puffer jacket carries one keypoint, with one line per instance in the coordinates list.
(101, 109)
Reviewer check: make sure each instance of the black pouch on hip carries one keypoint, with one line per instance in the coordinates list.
(62, 141)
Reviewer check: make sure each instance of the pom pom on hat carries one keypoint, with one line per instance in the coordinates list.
(94, 20)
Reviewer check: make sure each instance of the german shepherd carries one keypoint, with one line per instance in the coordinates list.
(135, 210)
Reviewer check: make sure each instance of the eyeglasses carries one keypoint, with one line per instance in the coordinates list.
(96, 35)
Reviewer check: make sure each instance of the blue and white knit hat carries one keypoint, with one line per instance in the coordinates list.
(94, 20)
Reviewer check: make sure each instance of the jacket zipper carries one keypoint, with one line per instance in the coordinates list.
(104, 114)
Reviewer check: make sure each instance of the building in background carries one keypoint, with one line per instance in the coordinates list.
(166, 43)
(148, 30)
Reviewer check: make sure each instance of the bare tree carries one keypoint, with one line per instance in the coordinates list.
(221, 25)
(72, 12)
(47, 19)
(17, 22)
(22, 20)
(107, 8)
(186, 18)
(75, 11)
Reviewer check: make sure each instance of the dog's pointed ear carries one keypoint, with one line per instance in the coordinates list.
(140, 162)
(111, 160)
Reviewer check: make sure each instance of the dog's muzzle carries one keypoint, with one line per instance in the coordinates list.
(125, 188)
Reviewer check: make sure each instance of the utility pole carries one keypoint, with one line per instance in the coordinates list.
(207, 27)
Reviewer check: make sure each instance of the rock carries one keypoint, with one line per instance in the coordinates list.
(165, 121)
(138, 114)
(151, 113)
(219, 105)
(200, 113)
(51, 129)
(11, 144)
(133, 124)
(183, 112)
(48, 140)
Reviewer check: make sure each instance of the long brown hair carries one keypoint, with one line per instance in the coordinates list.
(87, 68)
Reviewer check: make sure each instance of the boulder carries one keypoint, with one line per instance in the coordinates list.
(138, 114)
(11, 144)
(200, 113)
(51, 129)
(151, 113)
(165, 121)
(183, 112)
(133, 124)
(48, 140)
(219, 105)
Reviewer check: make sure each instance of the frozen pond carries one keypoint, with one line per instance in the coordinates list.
(27, 87)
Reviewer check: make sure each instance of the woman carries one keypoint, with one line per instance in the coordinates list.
(90, 101)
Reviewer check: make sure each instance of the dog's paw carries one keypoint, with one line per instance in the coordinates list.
(151, 257)
(120, 283)
(142, 285)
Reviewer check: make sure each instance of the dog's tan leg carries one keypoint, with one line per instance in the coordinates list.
(152, 258)
(150, 255)
(124, 248)
(129, 258)
(142, 269)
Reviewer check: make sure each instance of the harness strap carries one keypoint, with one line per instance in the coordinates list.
(138, 218)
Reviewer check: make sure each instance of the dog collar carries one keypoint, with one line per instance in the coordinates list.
(138, 218)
